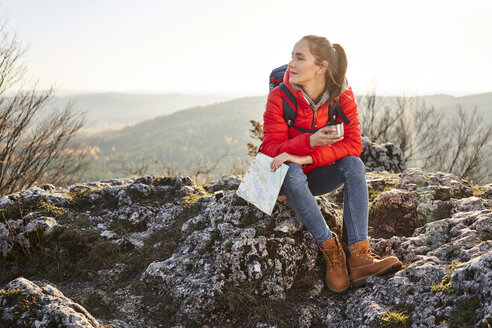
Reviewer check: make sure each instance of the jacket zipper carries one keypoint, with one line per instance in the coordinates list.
(314, 123)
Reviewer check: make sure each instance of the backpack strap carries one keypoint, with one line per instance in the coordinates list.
(289, 102)
(289, 114)
(335, 110)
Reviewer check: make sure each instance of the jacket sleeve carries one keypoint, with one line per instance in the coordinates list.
(275, 130)
(351, 144)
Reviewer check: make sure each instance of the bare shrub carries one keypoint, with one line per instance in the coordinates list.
(460, 144)
(34, 150)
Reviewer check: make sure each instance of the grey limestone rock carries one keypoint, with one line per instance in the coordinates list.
(382, 157)
(174, 255)
(26, 304)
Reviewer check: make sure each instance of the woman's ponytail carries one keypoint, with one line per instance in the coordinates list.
(335, 55)
(341, 68)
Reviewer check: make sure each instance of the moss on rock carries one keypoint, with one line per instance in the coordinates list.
(86, 199)
(19, 209)
(446, 286)
(478, 191)
(397, 316)
(463, 315)
(243, 306)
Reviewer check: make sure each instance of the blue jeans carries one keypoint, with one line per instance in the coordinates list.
(300, 189)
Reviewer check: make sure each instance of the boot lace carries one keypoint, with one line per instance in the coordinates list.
(334, 256)
(372, 254)
(367, 254)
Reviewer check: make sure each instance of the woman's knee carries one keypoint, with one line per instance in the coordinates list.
(353, 165)
(295, 177)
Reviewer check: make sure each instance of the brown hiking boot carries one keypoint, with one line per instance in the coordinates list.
(337, 278)
(364, 263)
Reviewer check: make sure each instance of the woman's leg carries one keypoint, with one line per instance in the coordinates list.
(303, 203)
(349, 171)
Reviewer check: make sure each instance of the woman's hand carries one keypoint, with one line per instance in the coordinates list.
(286, 157)
(321, 137)
(278, 161)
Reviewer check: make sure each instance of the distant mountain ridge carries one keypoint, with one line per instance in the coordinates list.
(110, 110)
(115, 110)
(483, 101)
(182, 140)
(199, 134)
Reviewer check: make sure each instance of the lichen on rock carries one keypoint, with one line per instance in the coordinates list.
(163, 252)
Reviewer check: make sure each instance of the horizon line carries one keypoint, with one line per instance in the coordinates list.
(239, 94)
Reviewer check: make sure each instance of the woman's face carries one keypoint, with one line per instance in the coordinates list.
(302, 65)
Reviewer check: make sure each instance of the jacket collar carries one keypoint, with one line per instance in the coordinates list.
(299, 93)
(324, 97)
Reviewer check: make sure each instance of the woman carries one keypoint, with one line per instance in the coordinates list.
(320, 162)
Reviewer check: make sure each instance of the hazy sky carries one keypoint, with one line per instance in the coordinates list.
(415, 47)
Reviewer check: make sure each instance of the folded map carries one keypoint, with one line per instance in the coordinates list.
(260, 186)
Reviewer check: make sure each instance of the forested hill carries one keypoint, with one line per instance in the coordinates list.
(116, 109)
(194, 137)
(182, 140)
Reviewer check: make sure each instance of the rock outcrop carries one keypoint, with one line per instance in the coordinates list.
(382, 157)
(26, 304)
(162, 252)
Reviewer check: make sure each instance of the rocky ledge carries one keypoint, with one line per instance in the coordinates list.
(162, 252)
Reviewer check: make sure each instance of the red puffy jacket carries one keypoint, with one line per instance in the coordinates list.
(278, 137)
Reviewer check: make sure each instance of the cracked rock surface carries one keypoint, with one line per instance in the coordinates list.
(162, 252)
(27, 304)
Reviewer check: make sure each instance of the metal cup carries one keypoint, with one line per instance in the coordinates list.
(338, 126)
